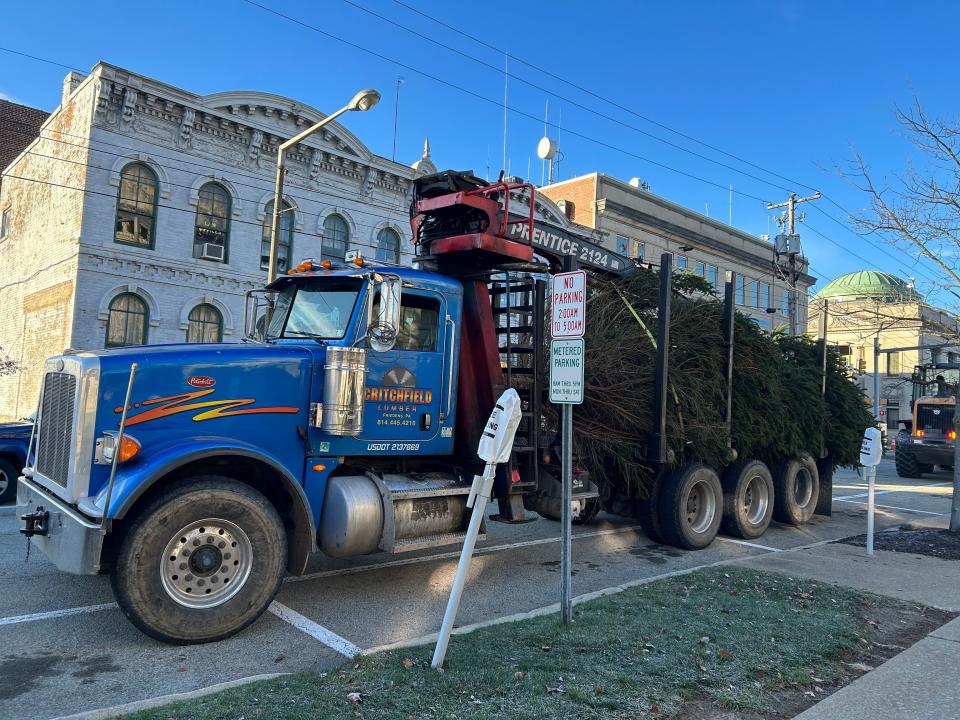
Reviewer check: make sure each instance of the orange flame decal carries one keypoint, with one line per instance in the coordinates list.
(174, 404)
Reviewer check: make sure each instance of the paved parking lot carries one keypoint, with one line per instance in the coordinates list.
(66, 648)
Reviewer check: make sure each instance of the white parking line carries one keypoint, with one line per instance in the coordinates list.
(17, 619)
(901, 490)
(892, 507)
(4, 509)
(315, 630)
(750, 544)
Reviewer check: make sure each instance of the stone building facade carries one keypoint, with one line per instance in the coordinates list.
(868, 304)
(638, 223)
(141, 214)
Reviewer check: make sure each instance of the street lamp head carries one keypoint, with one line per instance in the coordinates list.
(364, 100)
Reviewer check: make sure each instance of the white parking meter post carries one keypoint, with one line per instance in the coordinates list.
(871, 450)
(495, 447)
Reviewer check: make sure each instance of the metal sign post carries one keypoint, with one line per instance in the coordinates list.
(495, 446)
(871, 450)
(567, 324)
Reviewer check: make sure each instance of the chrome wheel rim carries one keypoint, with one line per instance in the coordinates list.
(4, 482)
(206, 563)
(701, 507)
(803, 488)
(756, 500)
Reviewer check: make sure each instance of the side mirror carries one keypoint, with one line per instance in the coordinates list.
(384, 312)
(257, 311)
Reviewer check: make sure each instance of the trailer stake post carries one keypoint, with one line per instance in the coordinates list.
(657, 449)
(729, 311)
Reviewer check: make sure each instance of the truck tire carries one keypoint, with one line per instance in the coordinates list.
(907, 465)
(648, 511)
(8, 480)
(691, 507)
(796, 485)
(747, 499)
(201, 562)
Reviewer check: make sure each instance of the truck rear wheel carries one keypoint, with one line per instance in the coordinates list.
(691, 506)
(907, 465)
(747, 499)
(796, 485)
(201, 562)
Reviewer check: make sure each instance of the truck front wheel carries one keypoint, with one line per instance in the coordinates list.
(201, 562)
(690, 507)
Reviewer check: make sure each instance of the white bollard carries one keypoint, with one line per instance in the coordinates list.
(871, 450)
(495, 447)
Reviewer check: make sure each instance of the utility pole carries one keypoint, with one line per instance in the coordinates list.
(792, 247)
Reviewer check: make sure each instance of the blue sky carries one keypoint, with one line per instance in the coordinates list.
(793, 87)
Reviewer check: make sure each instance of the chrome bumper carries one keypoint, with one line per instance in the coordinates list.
(71, 542)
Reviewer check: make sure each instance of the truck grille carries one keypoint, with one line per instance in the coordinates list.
(56, 426)
(935, 420)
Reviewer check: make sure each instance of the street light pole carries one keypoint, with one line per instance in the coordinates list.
(363, 100)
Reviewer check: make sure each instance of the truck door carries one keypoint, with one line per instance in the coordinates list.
(403, 388)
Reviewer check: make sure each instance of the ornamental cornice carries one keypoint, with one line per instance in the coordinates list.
(134, 266)
(243, 130)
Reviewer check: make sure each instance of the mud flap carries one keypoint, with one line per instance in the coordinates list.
(825, 501)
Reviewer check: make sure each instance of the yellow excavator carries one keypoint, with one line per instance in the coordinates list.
(927, 440)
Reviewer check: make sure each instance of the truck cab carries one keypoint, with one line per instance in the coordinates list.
(333, 431)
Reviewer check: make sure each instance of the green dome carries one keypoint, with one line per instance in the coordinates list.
(870, 285)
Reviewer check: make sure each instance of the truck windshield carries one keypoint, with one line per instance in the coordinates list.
(318, 308)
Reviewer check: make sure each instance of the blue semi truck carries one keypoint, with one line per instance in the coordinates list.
(198, 475)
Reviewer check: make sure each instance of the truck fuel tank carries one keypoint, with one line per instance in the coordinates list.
(370, 513)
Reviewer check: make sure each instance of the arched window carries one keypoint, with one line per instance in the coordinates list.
(136, 206)
(284, 240)
(212, 227)
(127, 321)
(388, 246)
(204, 324)
(336, 237)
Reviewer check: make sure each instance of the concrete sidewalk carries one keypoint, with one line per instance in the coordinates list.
(921, 683)
(918, 684)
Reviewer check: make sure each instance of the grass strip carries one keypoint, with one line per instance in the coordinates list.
(734, 635)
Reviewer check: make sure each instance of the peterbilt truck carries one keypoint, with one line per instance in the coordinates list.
(198, 475)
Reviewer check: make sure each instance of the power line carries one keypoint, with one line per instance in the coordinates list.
(593, 94)
(877, 246)
(449, 84)
(113, 196)
(491, 101)
(323, 193)
(566, 99)
(40, 59)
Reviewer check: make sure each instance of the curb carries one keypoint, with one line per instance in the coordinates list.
(136, 706)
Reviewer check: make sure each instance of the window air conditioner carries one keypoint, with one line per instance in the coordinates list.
(211, 251)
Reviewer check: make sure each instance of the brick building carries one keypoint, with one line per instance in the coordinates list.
(141, 214)
(638, 223)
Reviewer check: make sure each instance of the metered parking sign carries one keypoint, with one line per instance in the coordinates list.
(566, 371)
